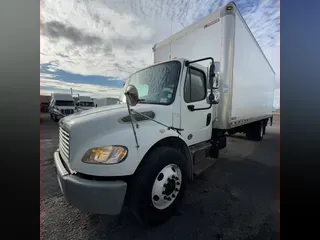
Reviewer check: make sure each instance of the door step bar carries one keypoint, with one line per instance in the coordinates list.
(203, 164)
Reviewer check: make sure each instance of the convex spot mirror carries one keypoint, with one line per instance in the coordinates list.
(132, 95)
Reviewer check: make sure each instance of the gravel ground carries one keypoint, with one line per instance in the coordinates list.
(237, 198)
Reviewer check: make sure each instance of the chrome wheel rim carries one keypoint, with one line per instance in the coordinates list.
(166, 186)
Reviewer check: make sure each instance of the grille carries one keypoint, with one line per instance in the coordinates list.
(64, 144)
(67, 111)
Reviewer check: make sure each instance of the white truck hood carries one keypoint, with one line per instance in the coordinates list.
(105, 126)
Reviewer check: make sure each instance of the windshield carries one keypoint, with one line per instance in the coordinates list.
(86, 104)
(156, 84)
(64, 103)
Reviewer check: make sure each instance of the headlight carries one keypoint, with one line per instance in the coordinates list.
(105, 155)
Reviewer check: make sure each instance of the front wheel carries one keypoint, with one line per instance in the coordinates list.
(158, 185)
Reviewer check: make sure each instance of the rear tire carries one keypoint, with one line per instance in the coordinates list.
(158, 186)
(256, 131)
(230, 133)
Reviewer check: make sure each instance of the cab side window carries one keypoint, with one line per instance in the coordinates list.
(195, 86)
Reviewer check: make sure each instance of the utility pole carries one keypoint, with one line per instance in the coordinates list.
(71, 91)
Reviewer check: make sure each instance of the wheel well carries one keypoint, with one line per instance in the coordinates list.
(177, 143)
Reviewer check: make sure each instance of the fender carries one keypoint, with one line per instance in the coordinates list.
(169, 138)
(148, 135)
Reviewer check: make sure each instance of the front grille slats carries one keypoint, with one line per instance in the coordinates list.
(64, 144)
(67, 111)
(64, 136)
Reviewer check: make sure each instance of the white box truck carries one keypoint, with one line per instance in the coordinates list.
(61, 105)
(209, 79)
(84, 103)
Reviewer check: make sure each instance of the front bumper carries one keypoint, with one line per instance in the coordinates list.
(99, 197)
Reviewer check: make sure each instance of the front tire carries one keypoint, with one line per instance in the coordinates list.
(158, 186)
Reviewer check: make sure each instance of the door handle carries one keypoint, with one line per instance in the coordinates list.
(191, 108)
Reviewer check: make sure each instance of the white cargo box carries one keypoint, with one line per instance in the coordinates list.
(85, 99)
(105, 101)
(245, 75)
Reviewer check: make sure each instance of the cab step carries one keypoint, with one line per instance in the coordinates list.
(202, 165)
(200, 147)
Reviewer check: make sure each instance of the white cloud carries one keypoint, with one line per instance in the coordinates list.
(114, 38)
(83, 89)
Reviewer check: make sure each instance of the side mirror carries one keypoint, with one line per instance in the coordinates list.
(217, 73)
(132, 95)
(211, 74)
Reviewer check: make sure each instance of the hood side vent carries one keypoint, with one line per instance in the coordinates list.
(138, 117)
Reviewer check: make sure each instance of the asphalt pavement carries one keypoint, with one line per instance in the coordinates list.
(237, 198)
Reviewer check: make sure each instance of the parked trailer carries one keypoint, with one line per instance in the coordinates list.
(172, 123)
(105, 101)
(84, 103)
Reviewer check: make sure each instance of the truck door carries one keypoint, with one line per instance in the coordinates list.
(196, 125)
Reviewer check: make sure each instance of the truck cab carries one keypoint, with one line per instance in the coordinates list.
(177, 93)
(61, 105)
(84, 103)
(170, 123)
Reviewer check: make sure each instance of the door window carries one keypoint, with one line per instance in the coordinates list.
(195, 86)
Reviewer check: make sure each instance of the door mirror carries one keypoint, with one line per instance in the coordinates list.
(216, 78)
(211, 74)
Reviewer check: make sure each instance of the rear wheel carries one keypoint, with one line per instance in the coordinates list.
(256, 131)
(230, 133)
(158, 186)
(264, 127)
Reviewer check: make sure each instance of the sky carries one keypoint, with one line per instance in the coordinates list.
(92, 46)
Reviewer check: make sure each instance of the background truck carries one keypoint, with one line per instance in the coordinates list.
(99, 102)
(84, 103)
(208, 80)
(61, 105)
